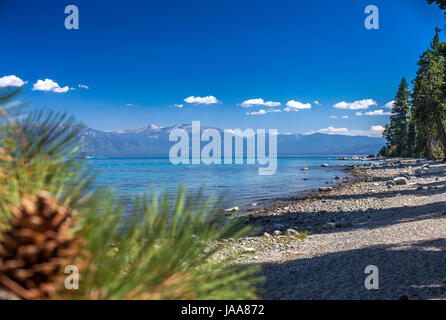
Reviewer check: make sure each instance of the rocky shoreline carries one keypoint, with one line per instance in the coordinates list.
(391, 214)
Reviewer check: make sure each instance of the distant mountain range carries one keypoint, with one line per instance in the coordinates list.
(153, 140)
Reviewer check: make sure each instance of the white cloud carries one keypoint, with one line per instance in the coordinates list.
(317, 103)
(259, 102)
(131, 105)
(11, 81)
(362, 104)
(379, 129)
(329, 130)
(390, 104)
(240, 133)
(344, 117)
(375, 131)
(336, 117)
(262, 112)
(256, 113)
(378, 113)
(178, 105)
(374, 113)
(202, 100)
(294, 105)
(49, 85)
(83, 86)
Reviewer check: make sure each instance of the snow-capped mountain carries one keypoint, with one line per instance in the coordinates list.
(153, 140)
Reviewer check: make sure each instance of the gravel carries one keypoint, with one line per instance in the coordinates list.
(399, 228)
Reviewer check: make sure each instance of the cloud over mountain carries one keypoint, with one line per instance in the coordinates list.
(375, 131)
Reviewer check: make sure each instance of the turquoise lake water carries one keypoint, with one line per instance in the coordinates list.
(241, 185)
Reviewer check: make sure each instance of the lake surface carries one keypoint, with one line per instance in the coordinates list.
(240, 184)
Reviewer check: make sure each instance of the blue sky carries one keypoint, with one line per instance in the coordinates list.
(141, 58)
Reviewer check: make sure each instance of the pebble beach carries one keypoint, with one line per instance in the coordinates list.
(390, 214)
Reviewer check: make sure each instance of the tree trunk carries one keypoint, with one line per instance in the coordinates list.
(429, 148)
(442, 133)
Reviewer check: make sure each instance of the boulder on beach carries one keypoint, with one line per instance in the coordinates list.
(400, 181)
(325, 189)
(390, 183)
(330, 225)
(406, 175)
(292, 233)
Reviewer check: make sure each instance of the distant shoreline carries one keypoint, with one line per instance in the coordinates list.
(164, 156)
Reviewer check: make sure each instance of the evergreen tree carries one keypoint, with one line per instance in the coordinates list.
(398, 128)
(428, 97)
(411, 138)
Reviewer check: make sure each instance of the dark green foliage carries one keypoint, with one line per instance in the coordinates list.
(419, 130)
(428, 97)
(396, 132)
(417, 123)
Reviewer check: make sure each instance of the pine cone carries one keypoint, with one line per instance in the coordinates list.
(36, 248)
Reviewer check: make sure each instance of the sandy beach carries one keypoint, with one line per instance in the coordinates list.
(390, 214)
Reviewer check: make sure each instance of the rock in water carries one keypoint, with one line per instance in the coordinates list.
(232, 209)
(324, 165)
